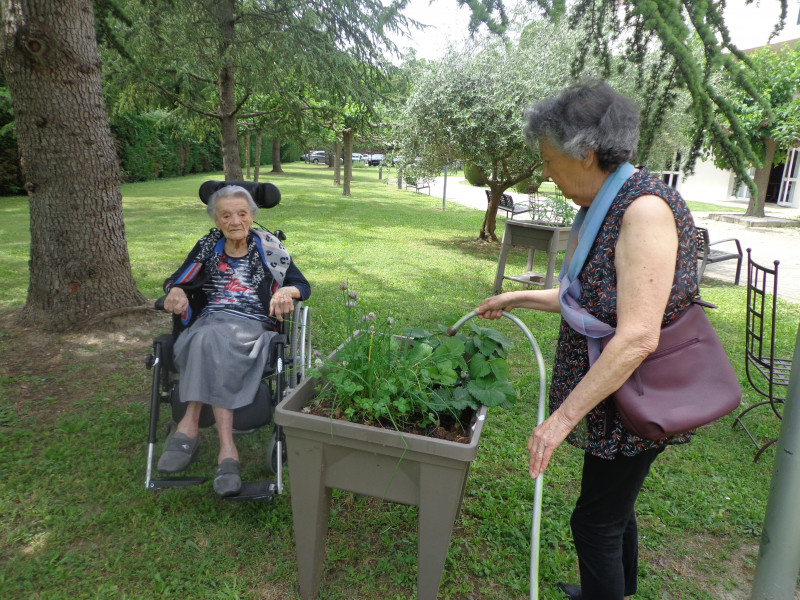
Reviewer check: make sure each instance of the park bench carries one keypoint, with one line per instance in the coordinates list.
(508, 205)
(706, 254)
(419, 185)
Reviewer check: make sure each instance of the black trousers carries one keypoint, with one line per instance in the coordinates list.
(604, 524)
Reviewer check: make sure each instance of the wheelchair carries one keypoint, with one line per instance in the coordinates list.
(290, 356)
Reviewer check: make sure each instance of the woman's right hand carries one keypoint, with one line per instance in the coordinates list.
(492, 308)
(176, 301)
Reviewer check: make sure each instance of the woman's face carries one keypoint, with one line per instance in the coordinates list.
(233, 217)
(576, 178)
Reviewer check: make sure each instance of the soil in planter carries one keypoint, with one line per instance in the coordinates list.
(449, 428)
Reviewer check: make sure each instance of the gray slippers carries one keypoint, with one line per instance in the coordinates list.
(227, 480)
(179, 450)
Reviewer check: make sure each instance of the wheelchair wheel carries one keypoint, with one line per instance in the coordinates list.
(272, 454)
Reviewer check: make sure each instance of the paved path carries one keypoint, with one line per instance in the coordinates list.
(767, 243)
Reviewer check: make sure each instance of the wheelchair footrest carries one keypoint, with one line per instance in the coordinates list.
(174, 482)
(255, 491)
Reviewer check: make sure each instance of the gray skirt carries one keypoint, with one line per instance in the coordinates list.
(221, 358)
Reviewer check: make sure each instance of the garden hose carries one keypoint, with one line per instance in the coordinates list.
(537, 494)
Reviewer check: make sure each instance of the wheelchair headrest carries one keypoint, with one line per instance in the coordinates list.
(265, 195)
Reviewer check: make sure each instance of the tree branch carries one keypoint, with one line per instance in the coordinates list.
(177, 99)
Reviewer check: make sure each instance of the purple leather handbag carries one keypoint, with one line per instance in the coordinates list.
(687, 382)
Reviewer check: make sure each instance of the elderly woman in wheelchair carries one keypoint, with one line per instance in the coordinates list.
(228, 295)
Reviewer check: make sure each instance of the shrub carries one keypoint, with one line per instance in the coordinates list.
(473, 175)
(150, 147)
(522, 186)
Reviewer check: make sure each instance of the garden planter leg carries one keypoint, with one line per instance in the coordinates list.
(440, 491)
(311, 501)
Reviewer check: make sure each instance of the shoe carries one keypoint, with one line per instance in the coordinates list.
(227, 480)
(571, 591)
(178, 453)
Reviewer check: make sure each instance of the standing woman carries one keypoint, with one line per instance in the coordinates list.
(630, 269)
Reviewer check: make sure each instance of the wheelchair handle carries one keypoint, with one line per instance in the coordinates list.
(159, 304)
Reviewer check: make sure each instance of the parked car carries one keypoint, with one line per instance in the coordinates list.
(375, 159)
(317, 157)
(357, 156)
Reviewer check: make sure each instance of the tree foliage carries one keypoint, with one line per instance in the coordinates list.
(469, 106)
(773, 127)
(693, 34)
(244, 59)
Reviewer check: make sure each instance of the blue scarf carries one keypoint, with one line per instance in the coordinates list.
(581, 238)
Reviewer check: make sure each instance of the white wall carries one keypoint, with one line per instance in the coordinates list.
(708, 184)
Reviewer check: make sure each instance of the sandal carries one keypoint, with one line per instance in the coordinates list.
(179, 451)
(227, 480)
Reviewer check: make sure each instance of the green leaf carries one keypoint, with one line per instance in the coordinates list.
(479, 367)
(499, 367)
(485, 395)
(462, 399)
(417, 333)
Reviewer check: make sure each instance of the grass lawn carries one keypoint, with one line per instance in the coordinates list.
(79, 523)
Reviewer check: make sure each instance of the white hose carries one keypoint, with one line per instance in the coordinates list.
(537, 493)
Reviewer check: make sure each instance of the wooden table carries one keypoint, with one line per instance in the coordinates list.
(546, 238)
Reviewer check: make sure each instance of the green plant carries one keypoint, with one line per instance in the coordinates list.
(551, 211)
(413, 380)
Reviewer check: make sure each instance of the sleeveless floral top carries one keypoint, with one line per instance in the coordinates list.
(601, 432)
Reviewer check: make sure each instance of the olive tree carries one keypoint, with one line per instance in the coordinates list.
(469, 106)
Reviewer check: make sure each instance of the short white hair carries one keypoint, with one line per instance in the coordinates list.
(226, 192)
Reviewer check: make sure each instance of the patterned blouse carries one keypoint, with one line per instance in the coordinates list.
(601, 432)
(230, 290)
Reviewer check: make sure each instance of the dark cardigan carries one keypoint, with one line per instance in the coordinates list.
(198, 299)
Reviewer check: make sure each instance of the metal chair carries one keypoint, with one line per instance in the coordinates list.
(707, 254)
(767, 374)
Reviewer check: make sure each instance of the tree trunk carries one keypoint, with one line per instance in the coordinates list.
(337, 172)
(231, 159)
(755, 207)
(276, 155)
(490, 217)
(247, 152)
(257, 167)
(347, 135)
(182, 151)
(79, 264)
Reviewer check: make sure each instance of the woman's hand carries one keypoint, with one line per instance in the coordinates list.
(545, 438)
(281, 304)
(492, 308)
(176, 301)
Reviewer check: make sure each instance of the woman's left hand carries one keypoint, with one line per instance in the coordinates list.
(545, 438)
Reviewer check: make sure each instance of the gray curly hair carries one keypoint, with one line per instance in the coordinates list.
(589, 115)
(225, 192)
